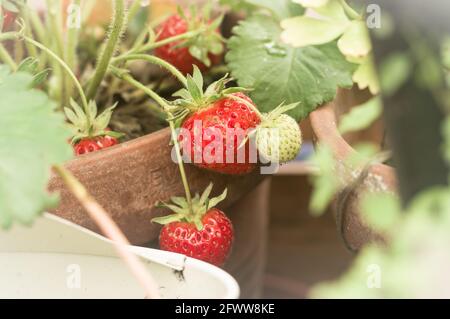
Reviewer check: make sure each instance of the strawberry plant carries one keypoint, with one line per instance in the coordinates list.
(278, 72)
(203, 50)
(197, 229)
(32, 140)
(70, 87)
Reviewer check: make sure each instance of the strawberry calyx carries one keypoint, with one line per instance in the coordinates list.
(89, 125)
(209, 40)
(201, 204)
(268, 120)
(194, 98)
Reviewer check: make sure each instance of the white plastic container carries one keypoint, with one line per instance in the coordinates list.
(58, 259)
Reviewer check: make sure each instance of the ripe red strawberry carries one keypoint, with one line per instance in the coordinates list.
(211, 244)
(91, 132)
(213, 116)
(203, 50)
(224, 114)
(205, 234)
(89, 145)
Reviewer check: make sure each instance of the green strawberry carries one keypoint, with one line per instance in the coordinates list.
(279, 138)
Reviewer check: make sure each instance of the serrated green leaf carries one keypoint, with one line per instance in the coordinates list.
(304, 31)
(279, 73)
(361, 117)
(29, 65)
(366, 76)
(333, 11)
(355, 42)
(281, 9)
(33, 138)
(40, 77)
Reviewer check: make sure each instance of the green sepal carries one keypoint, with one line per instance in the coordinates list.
(183, 213)
(194, 98)
(205, 42)
(94, 126)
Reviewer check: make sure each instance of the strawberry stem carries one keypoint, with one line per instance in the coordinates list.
(7, 59)
(70, 53)
(99, 215)
(55, 26)
(155, 45)
(117, 26)
(154, 60)
(66, 68)
(166, 107)
(187, 190)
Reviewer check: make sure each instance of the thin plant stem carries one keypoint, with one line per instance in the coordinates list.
(66, 68)
(6, 58)
(128, 78)
(183, 175)
(110, 229)
(31, 48)
(154, 60)
(38, 26)
(116, 28)
(134, 8)
(55, 25)
(18, 51)
(9, 36)
(155, 45)
(71, 48)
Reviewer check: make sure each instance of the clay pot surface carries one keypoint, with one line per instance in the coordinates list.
(127, 180)
(379, 177)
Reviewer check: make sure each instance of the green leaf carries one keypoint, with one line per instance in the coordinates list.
(361, 117)
(366, 76)
(304, 31)
(33, 138)
(279, 73)
(395, 71)
(325, 183)
(312, 3)
(279, 8)
(29, 65)
(381, 210)
(40, 77)
(355, 42)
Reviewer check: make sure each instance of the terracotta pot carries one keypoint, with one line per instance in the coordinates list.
(379, 177)
(130, 178)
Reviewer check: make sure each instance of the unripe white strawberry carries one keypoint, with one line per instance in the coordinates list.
(279, 137)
